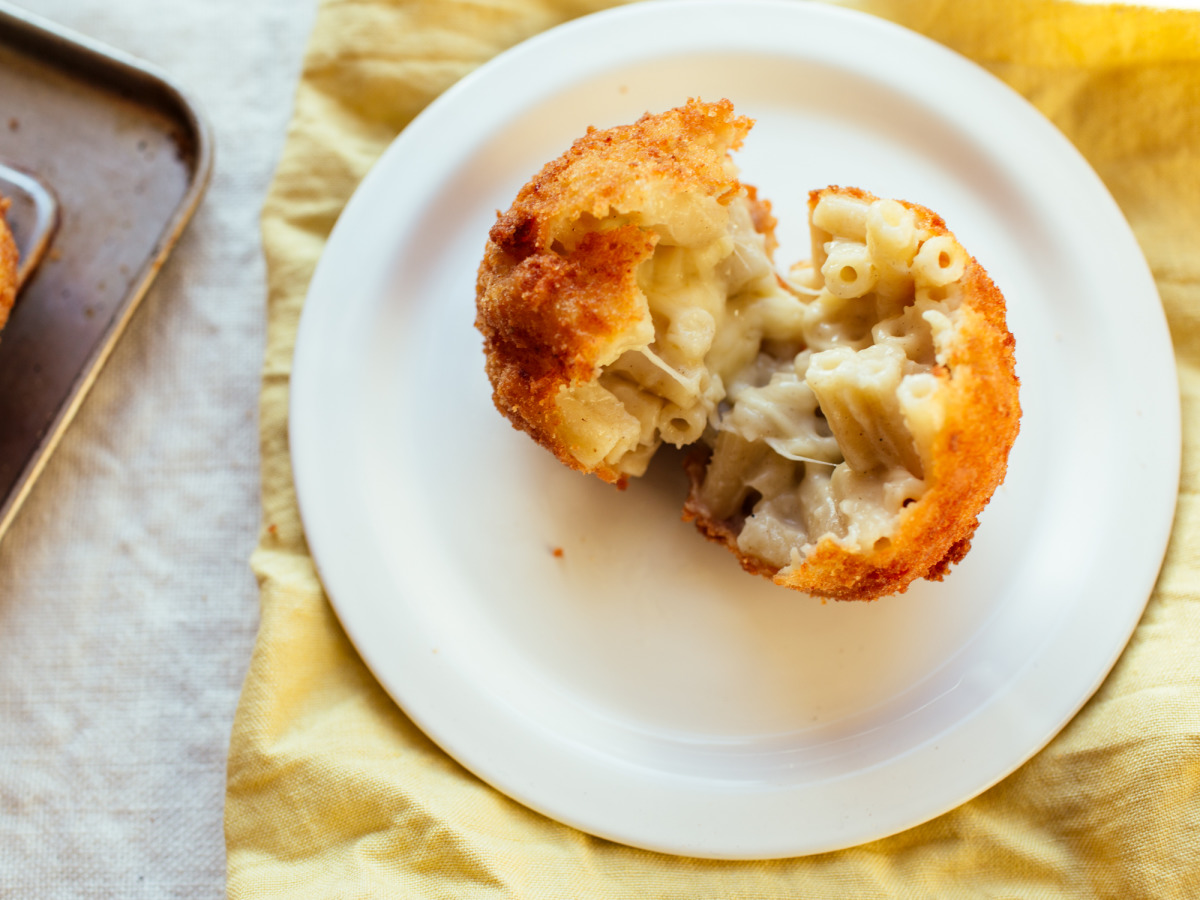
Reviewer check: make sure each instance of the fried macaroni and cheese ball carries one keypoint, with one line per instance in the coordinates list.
(848, 423)
(8, 266)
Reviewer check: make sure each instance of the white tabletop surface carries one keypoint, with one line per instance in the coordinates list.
(127, 606)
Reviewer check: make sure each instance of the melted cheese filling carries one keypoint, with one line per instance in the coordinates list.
(818, 399)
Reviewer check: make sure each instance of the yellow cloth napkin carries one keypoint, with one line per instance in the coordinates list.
(332, 792)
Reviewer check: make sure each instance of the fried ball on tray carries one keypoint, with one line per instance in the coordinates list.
(8, 266)
(847, 423)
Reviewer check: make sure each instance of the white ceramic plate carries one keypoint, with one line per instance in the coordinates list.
(639, 686)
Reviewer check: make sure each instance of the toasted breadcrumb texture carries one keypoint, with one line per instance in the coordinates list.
(554, 299)
(8, 265)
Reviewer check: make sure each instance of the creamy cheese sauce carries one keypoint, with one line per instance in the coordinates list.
(819, 402)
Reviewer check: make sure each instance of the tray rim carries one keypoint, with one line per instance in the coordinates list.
(199, 131)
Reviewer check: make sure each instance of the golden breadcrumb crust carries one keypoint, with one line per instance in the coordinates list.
(8, 265)
(550, 315)
(965, 464)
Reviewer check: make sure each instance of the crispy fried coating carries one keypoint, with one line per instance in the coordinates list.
(8, 266)
(557, 300)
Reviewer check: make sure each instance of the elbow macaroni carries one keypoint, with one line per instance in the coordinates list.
(713, 298)
(852, 418)
(816, 402)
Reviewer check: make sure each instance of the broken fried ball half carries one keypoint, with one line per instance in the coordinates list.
(847, 422)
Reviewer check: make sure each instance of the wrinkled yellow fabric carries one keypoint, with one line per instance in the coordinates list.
(332, 792)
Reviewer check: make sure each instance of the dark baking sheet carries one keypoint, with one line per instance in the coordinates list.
(128, 157)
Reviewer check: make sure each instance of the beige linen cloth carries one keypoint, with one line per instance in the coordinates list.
(332, 792)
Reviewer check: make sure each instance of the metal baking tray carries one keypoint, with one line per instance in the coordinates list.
(127, 156)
